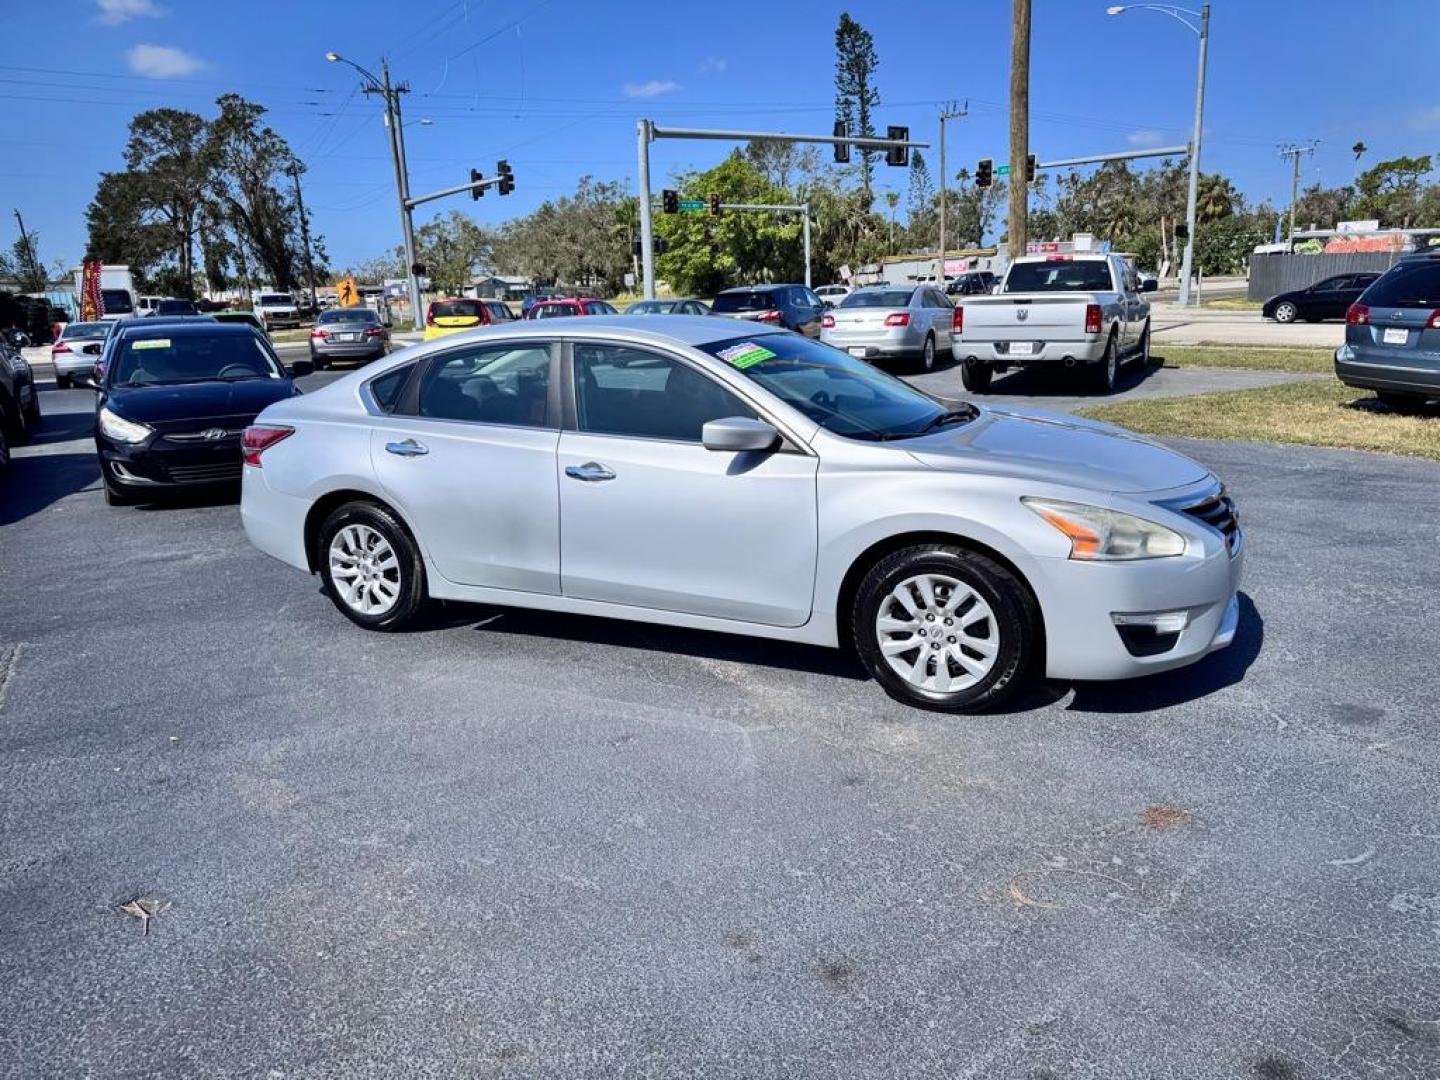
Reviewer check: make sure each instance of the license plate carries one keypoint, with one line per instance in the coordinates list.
(347, 337)
(857, 352)
(1395, 336)
(1021, 348)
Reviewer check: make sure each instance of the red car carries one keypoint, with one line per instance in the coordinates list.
(583, 305)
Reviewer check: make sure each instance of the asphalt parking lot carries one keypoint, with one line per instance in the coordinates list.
(518, 844)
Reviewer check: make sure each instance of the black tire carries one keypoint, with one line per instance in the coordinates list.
(927, 354)
(4, 448)
(410, 566)
(976, 377)
(1016, 623)
(63, 382)
(1143, 354)
(1286, 312)
(1103, 374)
(320, 364)
(32, 414)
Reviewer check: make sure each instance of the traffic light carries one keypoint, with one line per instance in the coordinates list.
(897, 155)
(715, 202)
(670, 201)
(1182, 231)
(1030, 169)
(475, 192)
(507, 177)
(842, 149)
(985, 172)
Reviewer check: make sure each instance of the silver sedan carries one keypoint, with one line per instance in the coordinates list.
(701, 473)
(908, 323)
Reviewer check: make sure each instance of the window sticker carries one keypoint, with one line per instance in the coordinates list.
(746, 354)
(152, 343)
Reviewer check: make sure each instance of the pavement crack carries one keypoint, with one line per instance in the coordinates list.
(9, 661)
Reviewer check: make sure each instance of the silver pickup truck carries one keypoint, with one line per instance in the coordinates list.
(1056, 310)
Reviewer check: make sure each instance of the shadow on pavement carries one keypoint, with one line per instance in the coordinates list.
(36, 482)
(1041, 382)
(1201, 679)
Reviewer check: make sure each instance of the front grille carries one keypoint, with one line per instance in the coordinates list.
(206, 474)
(1218, 511)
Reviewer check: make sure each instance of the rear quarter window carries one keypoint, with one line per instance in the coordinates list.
(386, 388)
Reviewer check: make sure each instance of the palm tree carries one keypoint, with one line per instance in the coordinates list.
(892, 200)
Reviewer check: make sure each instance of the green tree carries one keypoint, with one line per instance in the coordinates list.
(856, 96)
(922, 226)
(1393, 191)
(167, 153)
(1322, 208)
(453, 248)
(23, 266)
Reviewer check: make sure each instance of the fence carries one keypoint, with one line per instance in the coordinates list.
(1281, 272)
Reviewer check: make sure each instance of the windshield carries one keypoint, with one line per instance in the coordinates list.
(85, 331)
(745, 301)
(191, 357)
(843, 395)
(1059, 274)
(1407, 285)
(116, 301)
(276, 300)
(355, 315)
(877, 298)
(650, 307)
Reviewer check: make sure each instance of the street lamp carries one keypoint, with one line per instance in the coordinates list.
(1201, 27)
(395, 129)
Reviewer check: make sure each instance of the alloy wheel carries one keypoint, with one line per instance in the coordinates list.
(937, 633)
(364, 569)
(1285, 313)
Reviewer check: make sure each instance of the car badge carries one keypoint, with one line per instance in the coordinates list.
(1022, 313)
(213, 433)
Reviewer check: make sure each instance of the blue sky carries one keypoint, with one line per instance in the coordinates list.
(556, 86)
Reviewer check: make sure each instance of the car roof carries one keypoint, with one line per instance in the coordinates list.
(186, 327)
(761, 288)
(680, 329)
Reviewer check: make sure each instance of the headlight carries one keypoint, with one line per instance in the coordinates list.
(1097, 534)
(118, 428)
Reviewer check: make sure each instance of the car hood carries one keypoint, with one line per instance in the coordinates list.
(1056, 448)
(197, 401)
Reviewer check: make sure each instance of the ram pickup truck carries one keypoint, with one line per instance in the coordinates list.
(1056, 311)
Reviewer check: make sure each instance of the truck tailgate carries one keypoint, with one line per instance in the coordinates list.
(1033, 315)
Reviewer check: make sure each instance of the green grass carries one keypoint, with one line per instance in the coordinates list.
(1253, 357)
(1232, 303)
(1316, 412)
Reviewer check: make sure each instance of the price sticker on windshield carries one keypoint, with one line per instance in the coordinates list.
(746, 354)
(151, 343)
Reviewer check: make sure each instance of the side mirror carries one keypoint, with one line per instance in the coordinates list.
(738, 433)
(300, 368)
(1149, 285)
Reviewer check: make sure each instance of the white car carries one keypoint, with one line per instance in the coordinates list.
(729, 476)
(833, 293)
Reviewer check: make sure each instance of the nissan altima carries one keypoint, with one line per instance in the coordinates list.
(702, 473)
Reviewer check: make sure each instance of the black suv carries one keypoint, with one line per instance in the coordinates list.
(794, 307)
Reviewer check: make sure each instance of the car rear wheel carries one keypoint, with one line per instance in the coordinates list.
(1104, 374)
(371, 568)
(927, 354)
(1144, 353)
(976, 377)
(62, 382)
(945, 628)
(1285, 312)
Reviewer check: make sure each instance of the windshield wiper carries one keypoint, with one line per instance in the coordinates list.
(964, 414)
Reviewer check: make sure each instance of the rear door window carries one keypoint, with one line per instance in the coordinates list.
(493, 384)
(1407, 285)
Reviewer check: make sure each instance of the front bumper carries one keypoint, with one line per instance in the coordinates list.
(1001, 354)
(1408, 370)
(1080, 600)
(159, 463)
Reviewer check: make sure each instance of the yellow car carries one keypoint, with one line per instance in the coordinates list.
(453, 314)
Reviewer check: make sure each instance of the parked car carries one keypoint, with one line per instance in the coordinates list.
(1327, 299)
(453, 314)
(910, 324)
(172, 306)
(75, 354)
(353, 333)
(583, 305)
(1053, 311)
(277, 311)
(174, 398)
(248, 318)
(532, 299)
(691, 472)
(833, 294)
(683, 306)
(1392, 335)
(19, 400)
(793, 307)
(972, 283)
(499, 311)
(147, 305)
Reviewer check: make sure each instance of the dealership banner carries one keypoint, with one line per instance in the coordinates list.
(92, 302)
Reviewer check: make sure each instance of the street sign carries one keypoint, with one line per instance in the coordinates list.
(1002, 170)
(692, 206)
(346, 294)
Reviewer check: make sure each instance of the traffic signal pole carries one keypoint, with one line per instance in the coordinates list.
(647, 131)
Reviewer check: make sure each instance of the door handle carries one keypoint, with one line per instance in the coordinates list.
(407, 448)
(591, 471)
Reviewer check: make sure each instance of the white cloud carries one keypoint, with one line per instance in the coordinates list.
(162, 62)
(1425, 119)
(713, 65)
(1145, 138)
(652, 89)
(115, 12)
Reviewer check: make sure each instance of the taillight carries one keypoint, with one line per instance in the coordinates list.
(430, 315)
(898, 318)
(60, 347)
(768, 316)
(1358, 315)
(320, 332)
(957, 320)
(827, 322)
(258, 438)
(374, 331)
(1434, 322)
(1092, 318)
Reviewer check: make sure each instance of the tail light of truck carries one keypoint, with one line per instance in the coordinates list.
(1092, 318)
(257, 438)
(957, 320)
(1358, 315)
(827, 322)
(898, 318)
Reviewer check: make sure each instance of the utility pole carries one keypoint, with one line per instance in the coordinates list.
(304, 233)
(949, 112)
(1294, 153)
(1019, 124)
(35, 267)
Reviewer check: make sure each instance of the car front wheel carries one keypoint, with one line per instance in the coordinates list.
(944, 628)
(1286, 312)
(371, 568)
